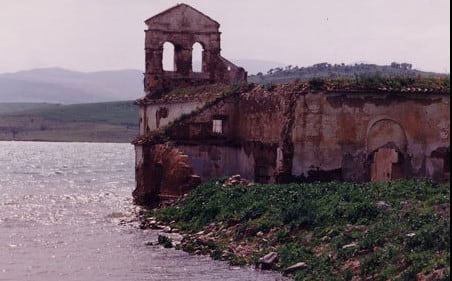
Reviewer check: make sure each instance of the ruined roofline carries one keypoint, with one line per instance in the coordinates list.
(206, 92)
(229, 63)
(186, 94)
(158, 136)
(252, 89)
(177, 6)
(345, 85)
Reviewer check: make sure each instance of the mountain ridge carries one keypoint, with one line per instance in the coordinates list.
(60, 85)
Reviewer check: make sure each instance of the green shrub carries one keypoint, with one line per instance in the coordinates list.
(166, 242)
(393, 242)
(317, 83)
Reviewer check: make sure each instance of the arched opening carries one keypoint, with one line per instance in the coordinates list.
(386, 143)
(384, 131)
(196, 57)
(168, 61)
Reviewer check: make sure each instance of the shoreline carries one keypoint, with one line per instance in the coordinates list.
(389, 234)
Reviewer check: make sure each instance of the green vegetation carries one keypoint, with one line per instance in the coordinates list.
(383, 231)
(332, 71)
(377, 82)
(101, 122)
(165, 241)
(194, 90)
(118, 113)
(8, 108)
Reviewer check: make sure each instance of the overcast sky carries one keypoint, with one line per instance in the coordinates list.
(93, 35)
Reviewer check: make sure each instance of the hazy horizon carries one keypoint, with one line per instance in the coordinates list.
(103, 35)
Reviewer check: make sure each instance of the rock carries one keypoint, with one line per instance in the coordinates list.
(351, 265)
(269, 259)
(382, 204)
(225, 255)
(166, 229)
(351, 245)
(308, 237)
(236, 177)
(295, 267)
(151, 243)
(236, 180)
(437, 274)
(259, 234)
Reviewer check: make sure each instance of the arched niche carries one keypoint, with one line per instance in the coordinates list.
(383, 132)
(386, 145)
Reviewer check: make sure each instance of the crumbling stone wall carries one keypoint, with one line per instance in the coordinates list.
(291, 133)
(183, 26)
(281, 133)
(162, 173)
(157, 115)
(312, 135)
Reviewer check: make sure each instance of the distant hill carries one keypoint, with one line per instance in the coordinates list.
(327, 70)
(256, 66)
(10, 108)
(57, 85)
(55, 104)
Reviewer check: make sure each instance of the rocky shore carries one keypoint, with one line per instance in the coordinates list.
(392, 231)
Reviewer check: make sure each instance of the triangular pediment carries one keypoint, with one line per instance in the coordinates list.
(182, 17)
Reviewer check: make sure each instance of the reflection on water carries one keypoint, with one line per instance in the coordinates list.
(60, 208)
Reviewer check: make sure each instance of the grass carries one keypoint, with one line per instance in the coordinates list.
(8, 108)
(393, 230)
(117, 113)
(96, 122)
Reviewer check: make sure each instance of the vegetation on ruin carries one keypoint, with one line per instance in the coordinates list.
(332, 71)
(397, 230)
(378, 82)
(195, 90)
(222, 92)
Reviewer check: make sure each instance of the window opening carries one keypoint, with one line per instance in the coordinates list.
(217, 126)
(197, 57)
(168, 62)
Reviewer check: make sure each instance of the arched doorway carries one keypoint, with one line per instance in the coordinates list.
(386, 144)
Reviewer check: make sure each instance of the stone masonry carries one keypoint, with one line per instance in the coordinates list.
(182, 26)
(285, 133)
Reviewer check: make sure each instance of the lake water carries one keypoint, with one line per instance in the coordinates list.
(61, 205)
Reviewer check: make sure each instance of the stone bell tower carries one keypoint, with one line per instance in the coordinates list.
(182, 27)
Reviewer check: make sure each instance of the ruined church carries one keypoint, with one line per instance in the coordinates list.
(199, 125)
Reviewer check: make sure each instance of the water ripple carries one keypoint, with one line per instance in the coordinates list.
(61, 205)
